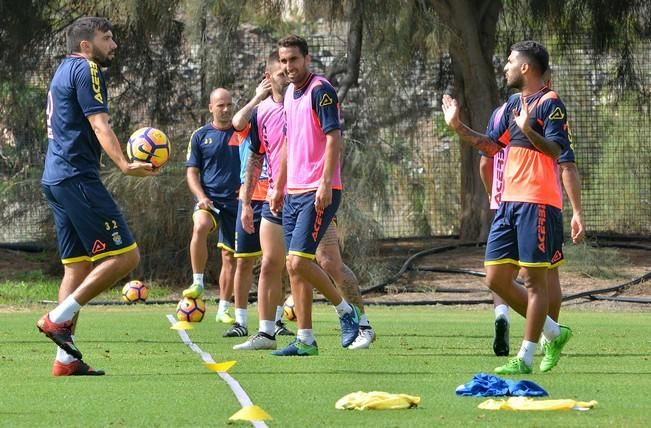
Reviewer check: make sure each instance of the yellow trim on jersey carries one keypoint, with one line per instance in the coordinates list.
(212, 217)
(100, 256)
(557, 264)
(501, 262)
(225, 247)
(189, 150)
(244, 255)
(301, 254)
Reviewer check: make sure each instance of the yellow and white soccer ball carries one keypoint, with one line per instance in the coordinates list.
(288, 309)
(190, 310)
(149, 145)
(134, 292)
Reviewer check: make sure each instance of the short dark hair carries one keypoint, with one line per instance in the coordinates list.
(294, 40)
(535, 53)
(273, 57)
(84, 29)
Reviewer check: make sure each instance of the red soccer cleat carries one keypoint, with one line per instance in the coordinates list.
(75, 368)
(61, 334)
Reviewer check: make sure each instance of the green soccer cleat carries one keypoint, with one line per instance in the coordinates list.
(553, 349)
(225, 318)
(515, 366)
(298, 349)
(194, 291)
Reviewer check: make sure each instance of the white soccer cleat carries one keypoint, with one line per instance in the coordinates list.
(364, 339)
(259, 341)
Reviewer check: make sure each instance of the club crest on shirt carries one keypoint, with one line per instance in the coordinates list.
(117, 239)
(325, 100)
(557, 114)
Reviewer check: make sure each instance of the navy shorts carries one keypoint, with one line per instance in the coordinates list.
(303, 226)
(269, 216)
(248, 245)
(89, 225)
(223, 216)
(526, 234)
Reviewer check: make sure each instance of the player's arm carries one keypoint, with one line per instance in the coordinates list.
(242, 117)
(476, 139)
(251, 175)
(109, 142)
(549, 147)
(194, 183)
(90, 89)
(572, 184)
(193, 172)
(326, 106)
(486, 173)
(332, 153)
(278, 193)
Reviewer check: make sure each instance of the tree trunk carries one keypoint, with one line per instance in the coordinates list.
(354, 13)
(473, 24)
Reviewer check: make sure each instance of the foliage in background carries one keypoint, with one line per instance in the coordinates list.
(401, 165)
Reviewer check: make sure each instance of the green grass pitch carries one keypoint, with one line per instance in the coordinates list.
(153, 379)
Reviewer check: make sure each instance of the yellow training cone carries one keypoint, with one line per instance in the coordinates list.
(250, 413)
(182, 325)
(220, 367)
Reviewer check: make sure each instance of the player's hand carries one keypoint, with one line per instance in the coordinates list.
(264, 88)
(522, 118)
(276, 201)
(247, 219)
(141, 169)
(323, 197)
(577, 228)
(451, 111)
(205, 204)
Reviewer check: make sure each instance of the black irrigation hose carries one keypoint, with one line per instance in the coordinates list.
(591, 294)
(429, 302)
(622, 299)
(410, 260)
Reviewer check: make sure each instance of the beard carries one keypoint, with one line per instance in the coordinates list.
(100, 58)
(515, 82)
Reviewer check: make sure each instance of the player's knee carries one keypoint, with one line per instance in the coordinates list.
(296, 264)
(201, 228)
(329, 265)
(269, 266)
(245, 263)
(493, 282)
(228, 259)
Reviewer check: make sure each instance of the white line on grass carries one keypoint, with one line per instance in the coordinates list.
(235, 386)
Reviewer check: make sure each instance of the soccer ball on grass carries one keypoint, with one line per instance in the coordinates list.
(288, 309)
(134, 292)
(190, 310)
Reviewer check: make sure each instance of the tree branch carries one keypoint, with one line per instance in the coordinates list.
(355, 31)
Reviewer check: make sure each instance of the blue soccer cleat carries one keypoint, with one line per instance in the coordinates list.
(298, 349)
(349, 326)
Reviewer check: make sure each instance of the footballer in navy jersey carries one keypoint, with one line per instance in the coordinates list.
(216, 154)
(213, 176)
(89, 225)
